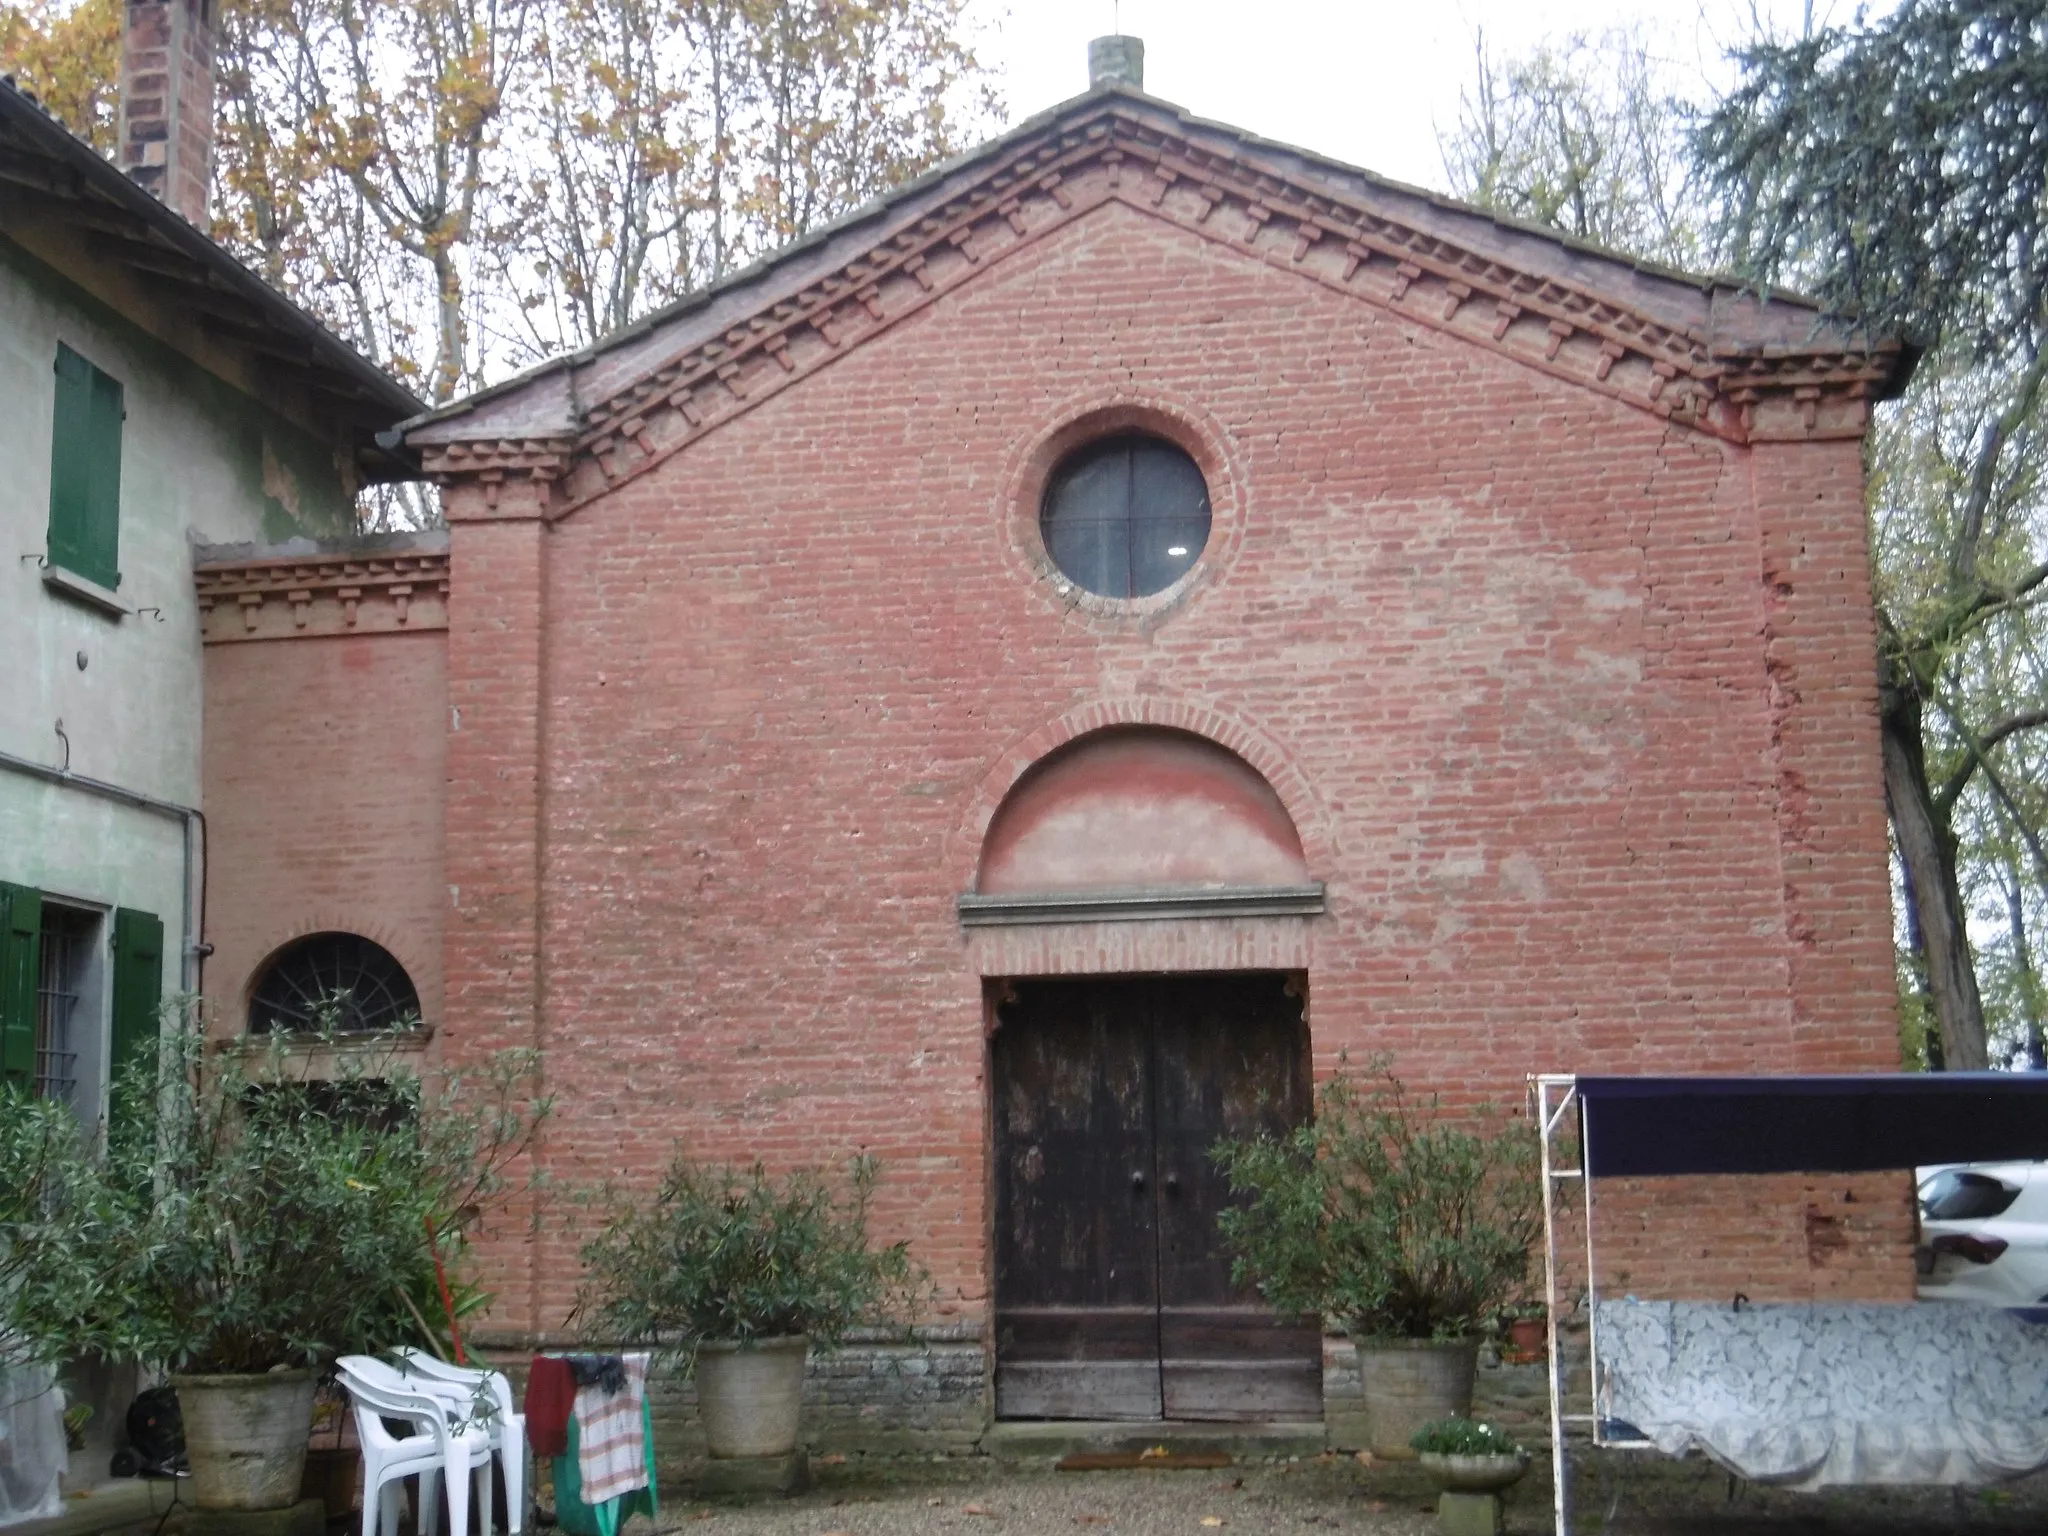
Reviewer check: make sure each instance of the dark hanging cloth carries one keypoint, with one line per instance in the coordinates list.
(607, 1373)
(550, 1395)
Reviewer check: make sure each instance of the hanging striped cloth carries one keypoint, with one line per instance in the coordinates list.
(611, 1436)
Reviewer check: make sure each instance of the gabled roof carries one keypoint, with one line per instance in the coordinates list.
(1700, 351)
(49, 174)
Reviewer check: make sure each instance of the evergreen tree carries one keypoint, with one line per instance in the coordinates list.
(1899, 170)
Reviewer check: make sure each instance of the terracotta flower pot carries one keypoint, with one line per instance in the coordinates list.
(1408, 1382)
(751, 1396)
(1527, 1339)
(245, 1437)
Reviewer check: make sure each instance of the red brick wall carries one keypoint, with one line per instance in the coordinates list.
(1572, 709)
(495, 723)
(324, 765)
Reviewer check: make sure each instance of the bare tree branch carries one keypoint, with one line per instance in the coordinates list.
(1984, 474)
(2025, 720)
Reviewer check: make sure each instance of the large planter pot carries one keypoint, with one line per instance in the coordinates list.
(751, 1395)
(1408, 1382)
(245, 1437)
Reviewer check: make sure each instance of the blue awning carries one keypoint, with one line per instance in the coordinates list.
(1647, 1126)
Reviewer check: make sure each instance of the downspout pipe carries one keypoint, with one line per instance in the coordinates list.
(191, 951)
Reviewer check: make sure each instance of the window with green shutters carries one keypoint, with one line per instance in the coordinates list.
(85, 471)
(27, 994)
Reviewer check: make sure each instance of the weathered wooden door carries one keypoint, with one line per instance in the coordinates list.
(1113, 1293)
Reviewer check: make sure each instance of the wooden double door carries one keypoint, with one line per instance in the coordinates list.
(1113, 1293)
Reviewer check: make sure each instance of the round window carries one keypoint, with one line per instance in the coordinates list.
(338, 981)
(1125, 516)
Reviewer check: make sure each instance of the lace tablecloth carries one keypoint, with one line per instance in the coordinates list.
(1813, 1395)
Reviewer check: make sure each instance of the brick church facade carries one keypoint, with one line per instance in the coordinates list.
(744, 746)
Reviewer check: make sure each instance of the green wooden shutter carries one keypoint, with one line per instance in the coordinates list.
(21, 930)
(138, 990)
(85, 471)
(104, 526)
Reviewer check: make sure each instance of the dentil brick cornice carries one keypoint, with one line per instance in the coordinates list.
(1117, 148)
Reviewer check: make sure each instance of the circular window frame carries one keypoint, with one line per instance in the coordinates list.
(1075, 427)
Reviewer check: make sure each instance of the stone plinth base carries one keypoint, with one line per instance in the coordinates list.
(308, 1517)
(740, 1477)
(1469, 1514)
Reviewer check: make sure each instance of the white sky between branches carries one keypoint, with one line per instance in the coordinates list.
(1368, 82)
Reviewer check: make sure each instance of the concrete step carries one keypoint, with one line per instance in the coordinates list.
(117, 1505)
(1035, 1439)
(158, 1507)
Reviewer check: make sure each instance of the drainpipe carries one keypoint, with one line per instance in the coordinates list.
(192, 952)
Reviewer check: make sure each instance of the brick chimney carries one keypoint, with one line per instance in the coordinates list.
(167, 101)
(1116, 60)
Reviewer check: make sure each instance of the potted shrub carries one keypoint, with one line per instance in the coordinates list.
(740, 1274)
(244, 1226)
(53, 1220)
(1405, 1232)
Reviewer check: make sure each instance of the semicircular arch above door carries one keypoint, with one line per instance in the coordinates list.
(1140, 822)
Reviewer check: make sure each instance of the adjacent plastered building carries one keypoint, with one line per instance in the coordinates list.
(157, 395)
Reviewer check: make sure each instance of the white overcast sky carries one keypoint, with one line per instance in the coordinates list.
(1363, 81)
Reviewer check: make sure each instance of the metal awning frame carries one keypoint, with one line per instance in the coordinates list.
(1560, 1113)
(1559, 1101)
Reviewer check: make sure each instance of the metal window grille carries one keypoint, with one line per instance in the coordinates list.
(338, 981)
(60, 983)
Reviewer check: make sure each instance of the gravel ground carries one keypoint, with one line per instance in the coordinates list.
(1615, 1497)
(984, 1499)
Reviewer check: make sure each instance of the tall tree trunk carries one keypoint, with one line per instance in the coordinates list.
(2034, 1049)
(1928, 848)
(448, 317)
(1916, 962)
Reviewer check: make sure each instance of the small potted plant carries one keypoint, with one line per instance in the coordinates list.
(740, 1275)
(1524, 1333)
(1407, 1232)
(1471, 1465)
(1468, 1457)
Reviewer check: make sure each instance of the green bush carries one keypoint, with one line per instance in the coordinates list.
(243, 1216)
(1394, 1226)
(735, 1254)
(55, 1230)
(1463, 1437)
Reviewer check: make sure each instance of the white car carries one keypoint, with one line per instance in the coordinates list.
(1984, 1234)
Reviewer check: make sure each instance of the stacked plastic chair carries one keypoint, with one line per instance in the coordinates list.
(506, 1428)
(448, 1444)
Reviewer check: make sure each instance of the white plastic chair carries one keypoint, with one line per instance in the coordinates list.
(441, 1444)
(507, 1429)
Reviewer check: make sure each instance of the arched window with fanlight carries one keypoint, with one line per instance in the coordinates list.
(332, 981)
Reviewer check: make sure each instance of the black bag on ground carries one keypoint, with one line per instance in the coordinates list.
(156, 1435)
